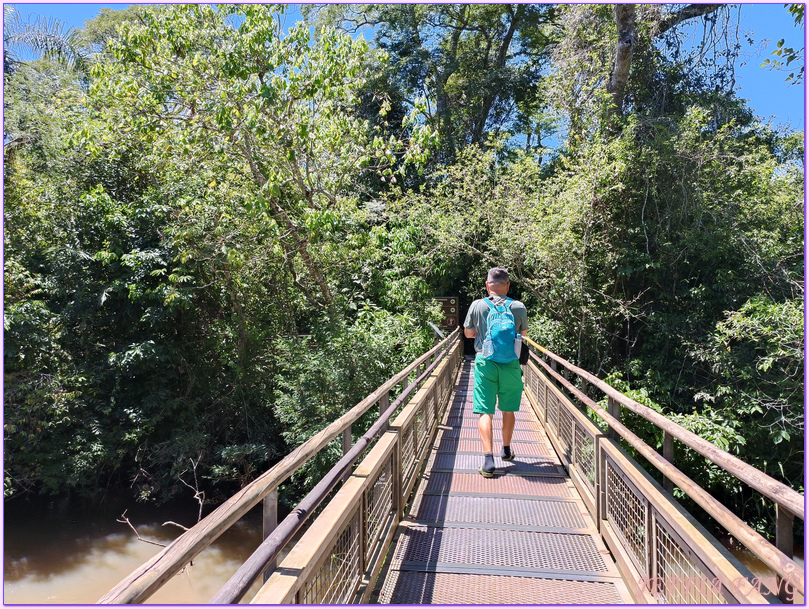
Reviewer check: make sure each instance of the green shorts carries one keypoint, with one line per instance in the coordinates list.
(497, 383)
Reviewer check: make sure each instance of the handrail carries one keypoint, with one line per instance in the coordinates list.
(341, 554)
(151, 575)
(269, 550)
(778, 492)
(769, 554)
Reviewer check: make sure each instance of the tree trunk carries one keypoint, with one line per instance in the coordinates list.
(300, 240)
(441, 78)
(500, 63)
(625, 24)
(300, 245)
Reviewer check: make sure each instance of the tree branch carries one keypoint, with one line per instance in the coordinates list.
(125, 520)
(687, 12)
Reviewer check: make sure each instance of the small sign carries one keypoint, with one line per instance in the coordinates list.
(451, 307)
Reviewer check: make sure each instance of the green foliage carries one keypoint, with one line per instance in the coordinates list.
(44, 37)
(154, 284)
(327, 373)
(757, 355)
(478, 66)
(785, 55)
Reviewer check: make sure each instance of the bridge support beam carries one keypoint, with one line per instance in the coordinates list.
(784, 522)
(269, 522)
(346, 447)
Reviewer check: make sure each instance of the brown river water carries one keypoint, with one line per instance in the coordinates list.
(77, 557)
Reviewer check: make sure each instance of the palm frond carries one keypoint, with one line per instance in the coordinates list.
(44, 37)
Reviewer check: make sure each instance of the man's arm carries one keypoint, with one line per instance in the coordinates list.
(469, 329)
(524, 320)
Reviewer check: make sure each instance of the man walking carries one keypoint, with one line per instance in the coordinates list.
(494, 323)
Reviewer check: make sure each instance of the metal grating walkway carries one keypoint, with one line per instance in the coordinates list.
(522, 537)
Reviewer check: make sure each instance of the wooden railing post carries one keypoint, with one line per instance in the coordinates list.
(398, 477)
(346, 447)
(668, 455)
(600, 484)
(784, 522)
(384, 402)
(614, 409)
(363, 532)
(438, 395)
(269, 521)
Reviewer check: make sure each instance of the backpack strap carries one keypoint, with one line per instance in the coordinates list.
(507, 304)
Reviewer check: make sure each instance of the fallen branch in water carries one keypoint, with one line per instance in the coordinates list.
(125, 520)
(134, 530)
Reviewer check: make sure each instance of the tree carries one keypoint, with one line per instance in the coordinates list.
(477, 66)
(625, 26)
(609, 57)
(274, 108)
(46, 37)
(156, 292)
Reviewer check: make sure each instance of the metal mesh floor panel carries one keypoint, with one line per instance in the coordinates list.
(491, 510)
(466, 401)
(476, 446)
(466, 414)
(418, 588)
(521, 465)
(441, 483)
(499, 548)
(472, 433)
(521, 426)
(522, 435)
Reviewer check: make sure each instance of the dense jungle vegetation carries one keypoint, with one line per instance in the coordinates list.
(222, 230)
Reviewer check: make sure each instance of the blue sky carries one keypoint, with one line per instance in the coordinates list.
(768, 94)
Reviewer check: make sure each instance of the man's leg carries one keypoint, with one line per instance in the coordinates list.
(485, 429)
(509, 397)
(484, 400)
(508, 427)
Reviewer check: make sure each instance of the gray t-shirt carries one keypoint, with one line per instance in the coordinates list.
(479, 311)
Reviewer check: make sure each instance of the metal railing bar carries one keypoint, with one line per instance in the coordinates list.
(267, 552)
(766, 552)
(778, 492)
(151, 575)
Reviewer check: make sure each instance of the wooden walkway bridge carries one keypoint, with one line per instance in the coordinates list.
(573, 519)
(524, 535)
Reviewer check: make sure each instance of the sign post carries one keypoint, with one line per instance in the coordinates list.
(450, 305)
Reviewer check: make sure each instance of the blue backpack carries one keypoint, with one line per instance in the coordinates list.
(501, 330)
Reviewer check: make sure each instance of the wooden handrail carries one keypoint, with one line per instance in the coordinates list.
(297, 568)
(776, 491)
(763, 549)
(269, 550)
(151, 575)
